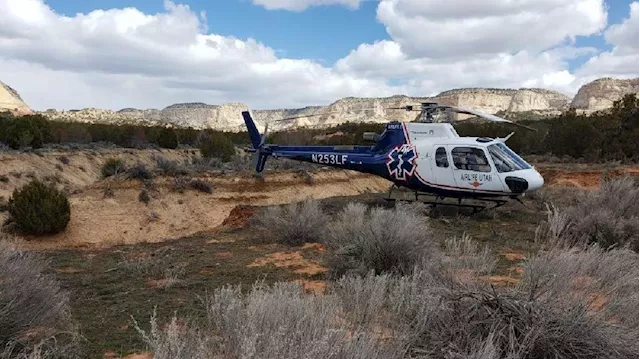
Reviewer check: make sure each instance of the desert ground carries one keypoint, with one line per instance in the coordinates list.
(120, 258)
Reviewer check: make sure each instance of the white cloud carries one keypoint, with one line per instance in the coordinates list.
(301, 5)
(428, 76)
(622, 61)
(461, 28)
(118, 58)
(163, 58)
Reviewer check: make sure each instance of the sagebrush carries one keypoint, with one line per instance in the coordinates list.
(608, 217)
(378, 239)
(293, 224)
(112, 167)
(569, 304)
(35, 319)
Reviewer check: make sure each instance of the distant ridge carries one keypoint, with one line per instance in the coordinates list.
(593, 96)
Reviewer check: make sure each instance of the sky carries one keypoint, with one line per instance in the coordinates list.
(269, 54)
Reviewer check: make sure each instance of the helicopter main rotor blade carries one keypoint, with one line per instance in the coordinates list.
(303, 116)
(486, 116)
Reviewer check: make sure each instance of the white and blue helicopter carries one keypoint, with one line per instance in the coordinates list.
(425, 156)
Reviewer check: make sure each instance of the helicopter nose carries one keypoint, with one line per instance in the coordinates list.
(525, 181)
(536, 181)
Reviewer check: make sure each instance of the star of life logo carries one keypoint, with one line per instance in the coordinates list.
(402, 161)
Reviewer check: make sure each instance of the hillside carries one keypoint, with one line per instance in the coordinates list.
(10, 100)
(593, 96)
(601, 93)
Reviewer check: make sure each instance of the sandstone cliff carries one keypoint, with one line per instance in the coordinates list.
(593, 96)
(11, 101)
(602, 93)
(509, 100)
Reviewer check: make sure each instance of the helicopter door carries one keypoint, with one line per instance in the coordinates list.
(472, 169)
(441, 166)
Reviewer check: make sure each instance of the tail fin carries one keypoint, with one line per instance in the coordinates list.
(393, 135)
(252, 129)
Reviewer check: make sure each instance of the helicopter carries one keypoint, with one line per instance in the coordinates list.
(425, 156)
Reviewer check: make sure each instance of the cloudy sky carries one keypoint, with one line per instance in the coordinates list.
(114, 54)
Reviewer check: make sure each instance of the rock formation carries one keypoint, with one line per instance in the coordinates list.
(593, 96)
(602, 93)
(11, 101)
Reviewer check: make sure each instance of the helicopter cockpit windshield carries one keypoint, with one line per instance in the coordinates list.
(505, 159)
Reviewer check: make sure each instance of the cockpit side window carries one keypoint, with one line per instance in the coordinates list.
(470, 159)
(441, 157)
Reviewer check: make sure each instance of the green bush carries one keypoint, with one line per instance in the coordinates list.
(216, 144)
(112, 167)
(167, 138)
(39, 209)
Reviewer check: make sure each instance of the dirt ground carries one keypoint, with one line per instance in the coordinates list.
(100, 220)
(120, 258)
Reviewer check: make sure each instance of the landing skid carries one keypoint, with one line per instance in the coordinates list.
(438, 200)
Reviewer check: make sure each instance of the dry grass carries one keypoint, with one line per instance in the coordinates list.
(270, 322)
(608, 217)
(35, 320)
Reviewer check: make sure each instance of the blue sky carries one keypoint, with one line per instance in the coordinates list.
(324, 33)
(295, 53)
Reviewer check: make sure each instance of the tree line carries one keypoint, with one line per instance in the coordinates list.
(605, 135)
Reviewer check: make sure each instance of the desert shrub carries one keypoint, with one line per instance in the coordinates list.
(569, 304)
(608, 217)
(218, 145)
(64, 159)
(144, 196)
(140, 172)
(169, 167)
(112, 167)
(278, 321)
(201, 185)
(292, 224)
(382, 240)
(35, 319)
(39, 209)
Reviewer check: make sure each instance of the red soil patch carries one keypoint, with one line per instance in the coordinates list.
(516, 269)
(317, 246)
(161, 283)
(502, 280)
(290, 260)
(512, 256)
(221, 240)
(239, 216)
(207, 271)
(312, 286)
(223, 255)
(582, 179)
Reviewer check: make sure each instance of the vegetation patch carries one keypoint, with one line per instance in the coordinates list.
(39, 209)
(293, 224)
(35, 319)
(608, 217)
